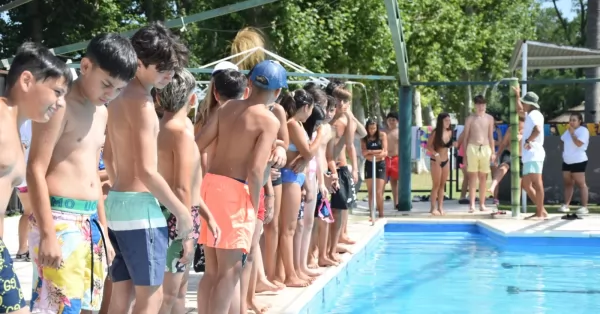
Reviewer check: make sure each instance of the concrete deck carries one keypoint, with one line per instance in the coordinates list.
(293, 300)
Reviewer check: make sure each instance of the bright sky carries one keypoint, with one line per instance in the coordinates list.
(565, 6)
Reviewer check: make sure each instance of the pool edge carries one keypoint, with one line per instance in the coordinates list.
(308, 298)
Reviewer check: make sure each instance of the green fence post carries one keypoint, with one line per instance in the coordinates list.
(405, 148)
(515, 180)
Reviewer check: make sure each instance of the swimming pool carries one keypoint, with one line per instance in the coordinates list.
(460, 268)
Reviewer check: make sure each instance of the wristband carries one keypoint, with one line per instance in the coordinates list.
(185, 234)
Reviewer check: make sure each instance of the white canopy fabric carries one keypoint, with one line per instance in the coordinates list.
(551, 56)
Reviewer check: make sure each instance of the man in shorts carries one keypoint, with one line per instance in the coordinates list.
(479, 136)
(137, 226)
(179, 164)
(391, 161)
(35, 88)
(532, 151)
(246, 132)
(66, 193)
(344, 195)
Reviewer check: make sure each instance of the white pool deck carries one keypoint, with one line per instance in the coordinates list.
(293, 300)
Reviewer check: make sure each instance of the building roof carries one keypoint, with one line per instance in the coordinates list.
(550, 56)
(564, 117)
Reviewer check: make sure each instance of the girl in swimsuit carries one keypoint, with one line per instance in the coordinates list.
(374, 145)
(440, 141)
(298, 106)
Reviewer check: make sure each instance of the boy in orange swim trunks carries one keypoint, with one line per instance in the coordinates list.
(245, 131)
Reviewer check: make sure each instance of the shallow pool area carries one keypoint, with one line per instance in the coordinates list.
(465, 268)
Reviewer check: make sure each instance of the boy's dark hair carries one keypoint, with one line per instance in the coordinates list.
(479, 99)
(317, 93)
(316, 118)
(176, 95)
(330, 103)
(341, 94)
(155, 44)
(333, 83)
(38, 60)
(114, 54)
(392, 114)
(230, 83)
(295, 100)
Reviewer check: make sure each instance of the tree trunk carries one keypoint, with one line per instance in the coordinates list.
(467, 108)
(419, 165)
(429, 116)
(36, 21)
(592, 91)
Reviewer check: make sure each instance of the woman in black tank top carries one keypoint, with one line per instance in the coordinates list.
(438, 145)
(374, 147)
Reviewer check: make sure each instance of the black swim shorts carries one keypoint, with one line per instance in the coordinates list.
(345, 197)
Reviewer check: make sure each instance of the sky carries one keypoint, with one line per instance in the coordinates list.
(565, 6)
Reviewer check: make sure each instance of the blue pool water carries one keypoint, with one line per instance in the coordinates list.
(465, 272)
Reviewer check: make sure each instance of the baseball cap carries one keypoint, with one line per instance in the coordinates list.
(224, 65)
(269, 75)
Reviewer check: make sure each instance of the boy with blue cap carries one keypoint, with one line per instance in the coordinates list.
(245, 132)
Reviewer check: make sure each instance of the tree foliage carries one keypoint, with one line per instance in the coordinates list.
(446, 40)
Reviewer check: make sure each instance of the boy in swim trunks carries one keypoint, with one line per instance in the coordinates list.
(35, 88)
(391, 161)
(479, 136)
(246, 132)
(137, 226)
(65, 187)
(179, 164)
(344, 197)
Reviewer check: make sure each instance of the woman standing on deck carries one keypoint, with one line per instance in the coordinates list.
(438, 145)
(374, 146)
(575, 140)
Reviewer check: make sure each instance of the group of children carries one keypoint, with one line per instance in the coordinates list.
(256, 157)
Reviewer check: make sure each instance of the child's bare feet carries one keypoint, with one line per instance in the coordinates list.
(325, 261)
(258, 308)
(346, 240)
(262, 286)
(296, 283)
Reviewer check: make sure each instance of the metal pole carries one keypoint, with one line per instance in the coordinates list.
(515, 187)
(373, 192)
(404, 148)
(523, 92)
(13, 4)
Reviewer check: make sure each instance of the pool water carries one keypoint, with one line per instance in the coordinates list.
(462, 272)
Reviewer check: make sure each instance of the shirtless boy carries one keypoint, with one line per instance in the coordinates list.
(246, 132)
(66, 192)
(344, 197)
(479, 136)
(35, 88)
(137, 226)
(179, 164)
(391, 161)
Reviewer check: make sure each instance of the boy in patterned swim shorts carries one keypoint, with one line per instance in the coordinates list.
(35, 88)
(179, 165)
(68, 220)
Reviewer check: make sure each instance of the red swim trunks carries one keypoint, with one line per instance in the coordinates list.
(391, 167)
(261, 206)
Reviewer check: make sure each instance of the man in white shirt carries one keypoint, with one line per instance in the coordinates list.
(532, 148)
(575, 159)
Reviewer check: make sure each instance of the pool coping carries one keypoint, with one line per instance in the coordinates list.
(307, 298)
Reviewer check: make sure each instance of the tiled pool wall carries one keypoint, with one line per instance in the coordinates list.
(328, 288)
